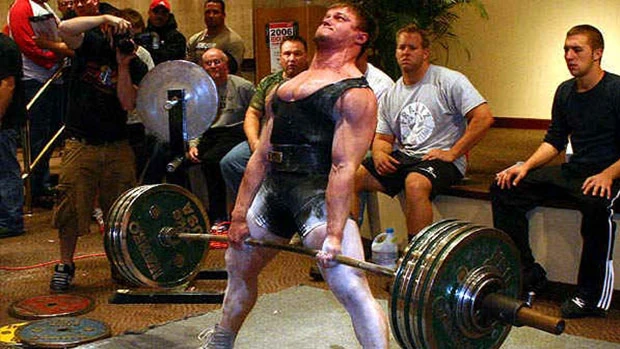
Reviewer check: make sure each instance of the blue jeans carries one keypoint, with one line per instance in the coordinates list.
(233, 166)
(12, 188)
(45, 120)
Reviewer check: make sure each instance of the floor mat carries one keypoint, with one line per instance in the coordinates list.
(304, 317)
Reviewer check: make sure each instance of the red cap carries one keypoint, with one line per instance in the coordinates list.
(156, 3)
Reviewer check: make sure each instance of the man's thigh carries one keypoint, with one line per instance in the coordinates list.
(119, 173)
(441, 174)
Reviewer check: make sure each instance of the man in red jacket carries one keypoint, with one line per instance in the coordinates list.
(39, 66)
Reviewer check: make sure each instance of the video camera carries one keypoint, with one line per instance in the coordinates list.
(124, 42)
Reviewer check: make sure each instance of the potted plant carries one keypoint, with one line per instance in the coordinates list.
(436, 16)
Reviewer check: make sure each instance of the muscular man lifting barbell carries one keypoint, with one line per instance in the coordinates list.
(300, 178)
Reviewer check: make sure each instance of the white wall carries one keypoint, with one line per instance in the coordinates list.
(517, 56)
(554, 233)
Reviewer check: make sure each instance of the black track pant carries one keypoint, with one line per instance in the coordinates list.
(510, 206)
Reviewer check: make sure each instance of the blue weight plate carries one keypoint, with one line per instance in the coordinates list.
(62, 332)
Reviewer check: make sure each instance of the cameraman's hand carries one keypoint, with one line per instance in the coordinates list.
(124, 59)
(119, 25)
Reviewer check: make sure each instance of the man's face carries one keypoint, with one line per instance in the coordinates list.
(86, 7)
(158, 17)
(338, 24)
(579, 56)
(293, 58)
(214, 62)
(214, 16)
(410, 55)
(65, 5)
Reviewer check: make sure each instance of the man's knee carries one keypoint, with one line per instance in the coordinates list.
(227, 163)
(365, 181)
(418, 186)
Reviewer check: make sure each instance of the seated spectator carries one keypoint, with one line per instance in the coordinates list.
(586, 109)
(167, 43)
(217, 34)
(426, 124)
(234, 95)
(293, 60)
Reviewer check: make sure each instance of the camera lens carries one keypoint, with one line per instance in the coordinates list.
(124, 43)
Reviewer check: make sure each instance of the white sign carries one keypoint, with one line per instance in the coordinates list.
(277, 31)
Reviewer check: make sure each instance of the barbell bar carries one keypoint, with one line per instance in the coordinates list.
(352, 262)
(456, 284)
(523, 315)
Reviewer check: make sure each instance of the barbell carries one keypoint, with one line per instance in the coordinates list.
(456, 284)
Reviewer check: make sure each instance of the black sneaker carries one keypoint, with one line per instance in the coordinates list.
(577, 307)
(534, 279)
(5, 232)
(63, 275)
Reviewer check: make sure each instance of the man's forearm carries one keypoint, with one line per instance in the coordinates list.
(338, 199)
(381, 145)
(125, 89)
(479, 124)
(251, 126)
(7, 86)
(545, 153)
(59, 48)
(78, 25)
(614, 170)
(72, 30)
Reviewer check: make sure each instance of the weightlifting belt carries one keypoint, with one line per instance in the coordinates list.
(299, 158)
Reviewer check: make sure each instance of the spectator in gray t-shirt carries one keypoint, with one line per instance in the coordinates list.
(226, 131)
(426, 124)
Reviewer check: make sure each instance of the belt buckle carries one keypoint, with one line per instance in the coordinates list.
(274, 156)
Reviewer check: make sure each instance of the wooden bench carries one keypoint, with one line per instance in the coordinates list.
(554, 226)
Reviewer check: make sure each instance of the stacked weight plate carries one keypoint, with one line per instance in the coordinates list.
(447, 269)
(133, 243)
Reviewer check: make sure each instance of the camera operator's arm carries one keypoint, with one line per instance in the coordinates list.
(72, 30)
(7, 87)
(58, 47)
(125, 89)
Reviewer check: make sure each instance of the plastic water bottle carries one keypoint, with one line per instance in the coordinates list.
(385, 249)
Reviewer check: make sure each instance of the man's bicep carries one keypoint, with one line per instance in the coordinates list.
(360, 110)
(356, 128)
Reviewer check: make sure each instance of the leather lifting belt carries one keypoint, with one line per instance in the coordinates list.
(299, 158)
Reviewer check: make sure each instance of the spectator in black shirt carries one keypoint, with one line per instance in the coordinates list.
(167, 43)
(586, 110)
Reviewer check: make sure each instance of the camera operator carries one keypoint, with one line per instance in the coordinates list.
(137, 135)
(97, 157)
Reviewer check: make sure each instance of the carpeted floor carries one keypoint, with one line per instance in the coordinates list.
(30, 251)
(305, 318)
(26, 265)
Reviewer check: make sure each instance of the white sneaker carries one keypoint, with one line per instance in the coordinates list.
(216, 338)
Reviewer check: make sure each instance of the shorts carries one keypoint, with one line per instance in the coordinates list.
(441, 174)
(287, 203)
(106, 170)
